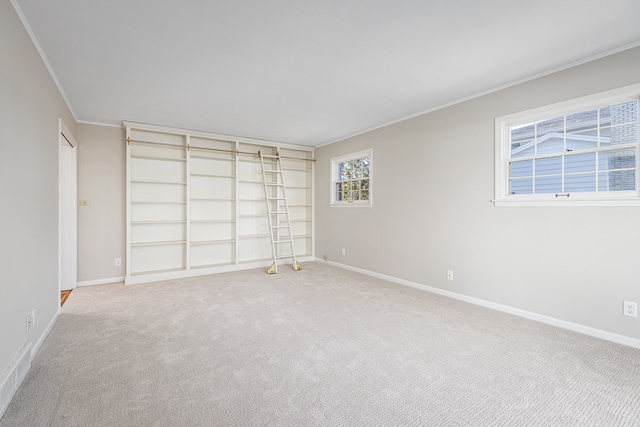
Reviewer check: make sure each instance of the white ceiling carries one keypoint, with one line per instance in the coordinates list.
(308, 71)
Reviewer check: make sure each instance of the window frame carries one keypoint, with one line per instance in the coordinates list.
(503, 124)
(334, 161)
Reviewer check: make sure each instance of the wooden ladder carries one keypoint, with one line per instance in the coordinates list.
(275, 194)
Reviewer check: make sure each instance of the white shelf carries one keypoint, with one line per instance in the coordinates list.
(206, 175)
(159, 221)
(212, 221)
(211, 199)
(217, 159)
(159, 243)
(162, 159)
(211, 242)
(200, 266)
(166, 270)
(158, 182)
(157, 202)
(254, 236)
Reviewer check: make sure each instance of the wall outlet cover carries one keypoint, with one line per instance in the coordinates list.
(630, 308)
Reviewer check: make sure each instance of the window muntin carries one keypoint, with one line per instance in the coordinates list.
(580, 152)
(351, 179)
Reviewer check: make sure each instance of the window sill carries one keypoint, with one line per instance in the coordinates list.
(351, 205)
(568, 202)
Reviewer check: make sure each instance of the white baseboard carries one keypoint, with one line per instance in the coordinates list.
(100, 281)
(587, 330)
(13, 377)
(44, 335)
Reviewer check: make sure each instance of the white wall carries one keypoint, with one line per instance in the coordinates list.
(30, 106)
(101, 181)
(433, 182)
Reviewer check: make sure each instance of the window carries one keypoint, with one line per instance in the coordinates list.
(582, 152)
(351, 179)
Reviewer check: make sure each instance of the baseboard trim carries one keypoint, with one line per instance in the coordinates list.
(587, 330)
(44, 336)
(100, 282)
(14, 376)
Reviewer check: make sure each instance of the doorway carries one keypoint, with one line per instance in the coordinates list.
(67, 210)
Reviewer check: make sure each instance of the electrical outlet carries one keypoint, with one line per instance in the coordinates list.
(449, 275)
(118, 262)
(630, 309)
(344, 251)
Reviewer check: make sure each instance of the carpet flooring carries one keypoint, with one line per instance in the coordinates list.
(318, 347)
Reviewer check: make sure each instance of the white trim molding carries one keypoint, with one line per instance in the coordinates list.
(100, 281)
(575, 327)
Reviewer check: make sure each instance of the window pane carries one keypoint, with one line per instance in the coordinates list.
(551, 145)
(550, 135)
(617, 181)
(580, 163)
(346, 187)
(548, 184)
(524, 133)
(585, 140)
(521, 186)
(617, 159)
(364, 195)
(551, 165)
(626, 112)
(580, 182)
(339, 191)
(625, 134)
(355, 195)
(355, 185)
(522, 168)
(581, 121)
(365, 171)
(522, 141)
(365, 184)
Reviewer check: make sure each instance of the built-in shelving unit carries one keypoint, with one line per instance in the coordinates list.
(196, 202)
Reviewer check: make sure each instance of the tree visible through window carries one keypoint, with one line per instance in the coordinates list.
(352, 179)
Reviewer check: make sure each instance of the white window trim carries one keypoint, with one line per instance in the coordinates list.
(354, 203)
(502, 151)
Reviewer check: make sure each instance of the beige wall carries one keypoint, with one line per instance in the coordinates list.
(433, 182)
(30, 106)
(101, 181)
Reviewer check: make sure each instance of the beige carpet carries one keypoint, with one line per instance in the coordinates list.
(318, 347)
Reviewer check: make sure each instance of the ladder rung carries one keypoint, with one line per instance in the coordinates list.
(276, 198)
(270, 156)
(272, 171)
(285, 256)
(279, 213)
(275, 185)
(282, 241)
(280, 226)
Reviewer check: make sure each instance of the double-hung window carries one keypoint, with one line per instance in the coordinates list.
(351, 178)
(582, 152)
